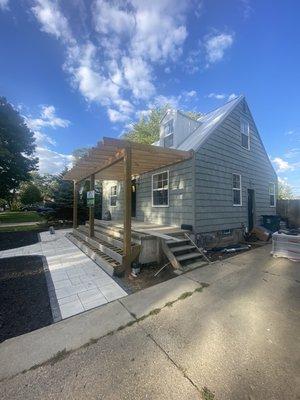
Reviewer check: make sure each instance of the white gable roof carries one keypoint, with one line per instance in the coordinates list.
(208, 123)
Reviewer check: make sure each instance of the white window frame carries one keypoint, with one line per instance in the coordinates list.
(272, 184)
(170, 133)
(244, 121)
(113, 195)
(238, 189)
(152, 190)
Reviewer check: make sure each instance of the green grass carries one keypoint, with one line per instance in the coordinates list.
(9, 217)
(23, 228)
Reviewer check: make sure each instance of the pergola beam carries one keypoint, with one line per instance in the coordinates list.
(92, 209)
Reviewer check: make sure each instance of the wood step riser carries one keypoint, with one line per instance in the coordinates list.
(104, 237)
(106, 250)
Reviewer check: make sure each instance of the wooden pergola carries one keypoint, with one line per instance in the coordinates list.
(115, 159)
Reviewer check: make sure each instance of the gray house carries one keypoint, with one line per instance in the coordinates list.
(204, 183)
(222, 191)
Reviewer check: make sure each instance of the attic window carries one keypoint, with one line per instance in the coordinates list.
(245, 134)
(168, 133)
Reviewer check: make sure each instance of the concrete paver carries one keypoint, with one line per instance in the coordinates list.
(72, 274)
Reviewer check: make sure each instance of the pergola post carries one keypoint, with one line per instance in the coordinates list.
(127, 210)
(75, 205)
(92, 208)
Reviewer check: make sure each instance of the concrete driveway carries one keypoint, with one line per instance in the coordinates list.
(237, 339)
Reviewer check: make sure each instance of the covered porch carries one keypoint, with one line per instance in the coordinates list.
(121, 160)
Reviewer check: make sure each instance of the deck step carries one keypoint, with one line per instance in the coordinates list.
(182, 248)
(188, 256)
(106, 248)
(177, 241)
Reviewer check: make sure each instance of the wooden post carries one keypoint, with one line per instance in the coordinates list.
(127, 210)
(75, 205)
(92, 209)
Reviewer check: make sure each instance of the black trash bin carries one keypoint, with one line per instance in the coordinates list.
(271, 222)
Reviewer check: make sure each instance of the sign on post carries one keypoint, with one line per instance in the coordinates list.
(90, 198)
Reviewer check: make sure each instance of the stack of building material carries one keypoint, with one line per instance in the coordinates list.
(286, 245)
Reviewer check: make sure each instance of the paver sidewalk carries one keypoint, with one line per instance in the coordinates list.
(77, 283)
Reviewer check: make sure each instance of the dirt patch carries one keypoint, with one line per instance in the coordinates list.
(24, 301)
(146, 278)
(12, 240)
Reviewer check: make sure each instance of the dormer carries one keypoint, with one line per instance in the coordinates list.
(175, 127)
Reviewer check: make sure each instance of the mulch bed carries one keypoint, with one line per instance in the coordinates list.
(24, 301)
(12, 240)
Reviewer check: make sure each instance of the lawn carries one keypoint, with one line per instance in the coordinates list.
(8, 217)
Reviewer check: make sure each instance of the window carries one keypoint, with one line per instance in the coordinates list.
(272, 194)
(160, 189)
(113, 196)
(237, 189)
(245, 132)
(168, 133)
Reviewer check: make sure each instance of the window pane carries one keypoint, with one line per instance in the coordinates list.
(236, 181)
(272, 200)
(160, 198)
(168, 127)
(236, 197)
(272, 188)
(168, 141)
(113, 201)
(245, 141)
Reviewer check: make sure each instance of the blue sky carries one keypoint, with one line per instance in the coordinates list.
(80, 70)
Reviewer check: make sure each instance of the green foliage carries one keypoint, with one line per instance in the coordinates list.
(146, 130)
(46, 183)
(30, 195)
(63, 192)
(21, 216)
(79, 153)
(193, 114)
(285, 191)
(17, 148)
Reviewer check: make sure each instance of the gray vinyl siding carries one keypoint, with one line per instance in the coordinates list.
(180, 209)
(116, 212)
(218, 158)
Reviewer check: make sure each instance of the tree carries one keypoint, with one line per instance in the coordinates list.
(146, 130)
(17, 148)
(46, 183)
(30, 195)
(79, 153)
(285, 191)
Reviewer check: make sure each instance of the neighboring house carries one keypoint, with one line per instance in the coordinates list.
(223, 190)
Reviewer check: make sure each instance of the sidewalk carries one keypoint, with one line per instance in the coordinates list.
(234, 339)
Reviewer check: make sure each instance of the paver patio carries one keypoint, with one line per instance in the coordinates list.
(77, 284)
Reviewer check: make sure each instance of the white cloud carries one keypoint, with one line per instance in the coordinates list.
(247, 8)
(51, 161)
(293, 153)
(132, 36)
(52, 20)
(215, 46)
(112, 17)
(138, 77)
(282, 165)
(41, 139)
(218, 96)
(47, 119)
(221, 96)
(4, 5)
(232, 96)
(191, 93)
